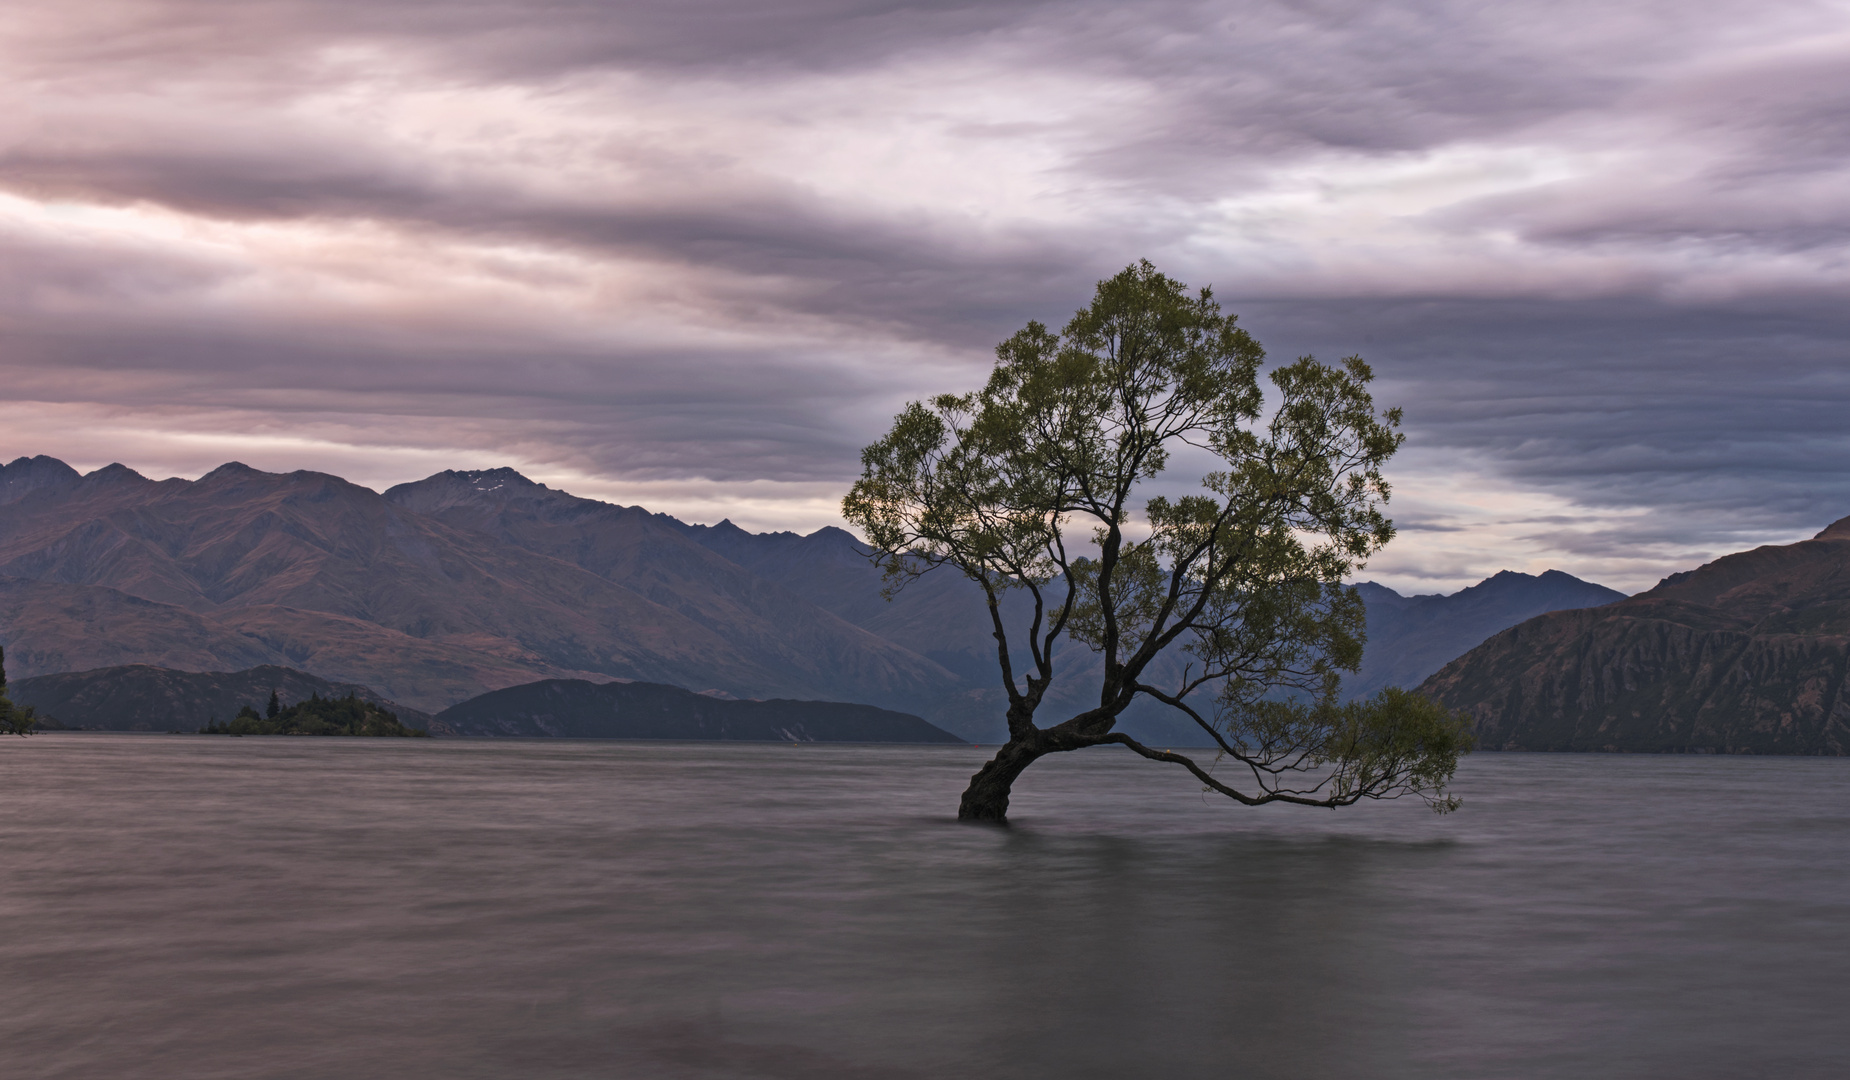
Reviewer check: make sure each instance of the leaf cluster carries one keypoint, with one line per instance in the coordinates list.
(1394, 744)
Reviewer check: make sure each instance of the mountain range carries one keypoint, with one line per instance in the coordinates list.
(1410, 637)
(437, 591)
(1746, 654)
(430, 593)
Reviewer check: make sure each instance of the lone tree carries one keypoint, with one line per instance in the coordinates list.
(1242, 583)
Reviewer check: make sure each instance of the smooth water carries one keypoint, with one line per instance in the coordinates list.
(253, 908)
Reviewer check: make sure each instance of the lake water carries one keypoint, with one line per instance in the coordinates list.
(176, 906)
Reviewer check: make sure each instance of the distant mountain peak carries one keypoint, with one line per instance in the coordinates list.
(24, 475)
(231, 470)
(488, 488)
(38, 463)
(1506, 581)
(1836, 530)
(116, 473)
(1411, 637)
(727, 528)
(1373, 592)
(1500, 581)
(1502, 578)
(502, 479)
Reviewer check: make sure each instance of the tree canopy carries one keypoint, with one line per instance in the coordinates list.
(1039, 483)
(350, 715)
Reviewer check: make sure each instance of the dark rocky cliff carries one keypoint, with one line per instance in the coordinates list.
(1747, 654)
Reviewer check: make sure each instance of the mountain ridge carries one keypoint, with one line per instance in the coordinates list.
(1749, 653)
(1412, 637)
(262, 558)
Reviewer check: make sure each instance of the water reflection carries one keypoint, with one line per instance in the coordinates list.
(314, 908)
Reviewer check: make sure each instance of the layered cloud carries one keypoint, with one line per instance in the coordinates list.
(695, 255)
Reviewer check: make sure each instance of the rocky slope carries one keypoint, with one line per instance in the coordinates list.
(1747, 654)
(800, 645)
(573, 708)
(142, 697)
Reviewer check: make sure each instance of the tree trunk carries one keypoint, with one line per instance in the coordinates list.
(987, 797)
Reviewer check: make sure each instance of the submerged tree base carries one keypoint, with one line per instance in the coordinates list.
(1394, 745)
(987, 797)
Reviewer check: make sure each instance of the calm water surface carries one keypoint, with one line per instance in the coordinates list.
(185, 907)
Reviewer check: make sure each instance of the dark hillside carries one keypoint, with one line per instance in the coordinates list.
(49, 626)
(573, 708)
(140, 697)
(1747, 654)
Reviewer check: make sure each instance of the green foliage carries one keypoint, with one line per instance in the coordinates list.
(316, 716)
(15, 720)
(18, 720)
(1242, 579)
(1396, 743)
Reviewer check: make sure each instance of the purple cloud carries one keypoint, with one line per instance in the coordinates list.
(695, 255)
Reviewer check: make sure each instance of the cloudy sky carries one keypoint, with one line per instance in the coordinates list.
(693, 255)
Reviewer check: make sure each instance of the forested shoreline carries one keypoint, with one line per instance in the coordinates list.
(350, 715)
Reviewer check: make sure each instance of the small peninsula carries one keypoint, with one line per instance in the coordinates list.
(351, 715)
